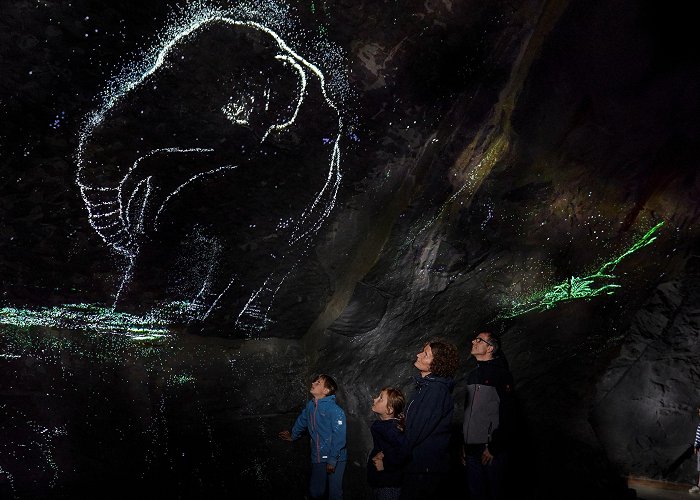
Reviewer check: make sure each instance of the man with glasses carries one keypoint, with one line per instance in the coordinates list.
(488, 419)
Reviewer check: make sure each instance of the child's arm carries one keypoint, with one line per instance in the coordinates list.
(378, 461)
(301, 424)
(299, 427)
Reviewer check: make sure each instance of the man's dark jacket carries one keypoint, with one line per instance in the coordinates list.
(489, 407)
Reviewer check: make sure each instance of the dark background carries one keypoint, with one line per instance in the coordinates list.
(489, 151)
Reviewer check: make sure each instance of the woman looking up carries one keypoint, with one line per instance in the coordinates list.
(429, 421)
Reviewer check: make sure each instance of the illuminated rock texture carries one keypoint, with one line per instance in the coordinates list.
(202, 206)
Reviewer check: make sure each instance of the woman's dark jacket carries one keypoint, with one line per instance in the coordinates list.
(428, 424)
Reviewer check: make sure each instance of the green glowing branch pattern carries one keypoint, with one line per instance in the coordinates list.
(586, 287)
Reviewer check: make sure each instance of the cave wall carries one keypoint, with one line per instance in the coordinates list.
(488, 153)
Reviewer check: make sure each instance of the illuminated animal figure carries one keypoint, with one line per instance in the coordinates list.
(210, 168)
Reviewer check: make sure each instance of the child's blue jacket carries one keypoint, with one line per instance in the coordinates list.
(325, 422)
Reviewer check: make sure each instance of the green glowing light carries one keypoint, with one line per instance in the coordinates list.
(94, 332)
(182, 378)
(86, 317)
(586, 287)
(147, 337)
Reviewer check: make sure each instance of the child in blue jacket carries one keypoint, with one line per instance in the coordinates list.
(324, 420)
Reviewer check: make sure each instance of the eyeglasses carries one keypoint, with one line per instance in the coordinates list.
(479, 339)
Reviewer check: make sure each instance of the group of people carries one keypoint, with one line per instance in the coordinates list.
(410, 458)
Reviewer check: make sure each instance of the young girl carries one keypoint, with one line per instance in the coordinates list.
(389, 453)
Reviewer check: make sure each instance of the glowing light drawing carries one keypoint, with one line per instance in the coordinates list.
(584, 287)
(93, 333)
(473, 180)
(125, 201)
(88, 317)
(10, 479)
(42, 440)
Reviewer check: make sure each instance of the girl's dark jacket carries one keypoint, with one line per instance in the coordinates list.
(391, 441)
(428, 424)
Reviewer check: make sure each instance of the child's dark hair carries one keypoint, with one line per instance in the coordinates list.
(397, 402)
(328, 382)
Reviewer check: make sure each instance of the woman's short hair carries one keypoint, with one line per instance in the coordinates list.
(445, 358)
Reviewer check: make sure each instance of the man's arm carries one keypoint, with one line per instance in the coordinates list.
(501, 437)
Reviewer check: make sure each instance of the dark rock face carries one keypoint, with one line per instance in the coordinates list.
(391, 172)
(652, 383)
